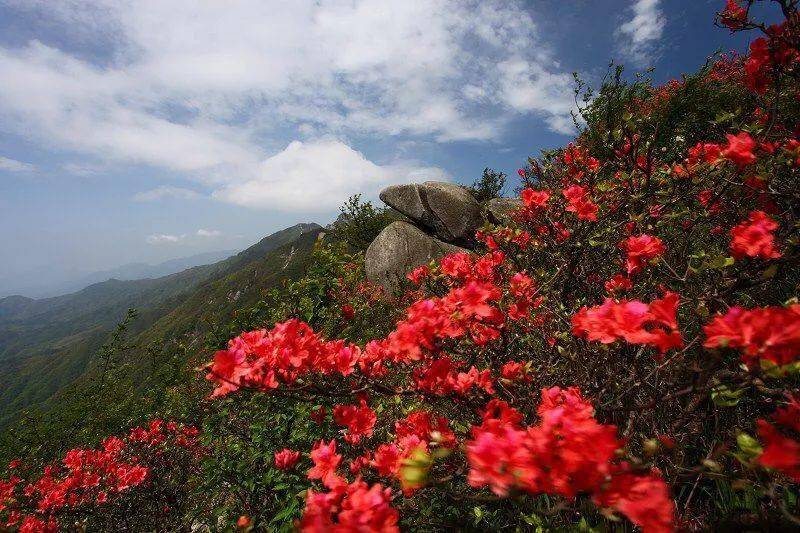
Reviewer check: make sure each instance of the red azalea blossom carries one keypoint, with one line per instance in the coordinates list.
(348, 312)
(351, 507)
(359, 420)
(565, 453)
(578, 202)
(643, 498)
(535, 199)
(641, 249)
(544, 458)
(419, 274)
(515, 371)
(92, 477)
(780, 452)
(734, 16)
(286, 459)
(756, 68)
(754, 237)
(326, 461)
(653, 324)
(768, 333)
(739, 149)
(618, 283)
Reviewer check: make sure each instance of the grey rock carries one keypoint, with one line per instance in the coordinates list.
(498, 210)
(446, 209)
(397, 250)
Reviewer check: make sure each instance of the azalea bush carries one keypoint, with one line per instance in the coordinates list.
(137, 481)
(626, 349)
(623, 353)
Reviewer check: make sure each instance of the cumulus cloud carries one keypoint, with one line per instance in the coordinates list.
(318, 176)
(639, 35)
(164, 238)
(12, 165)
(166, 191)
(208, 233)
(196, 87)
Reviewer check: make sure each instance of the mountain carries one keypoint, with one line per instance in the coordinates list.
(48, 344)
(35, 284)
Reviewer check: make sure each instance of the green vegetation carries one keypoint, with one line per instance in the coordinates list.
(55, 351)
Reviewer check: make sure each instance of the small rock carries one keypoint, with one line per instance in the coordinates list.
(498, 210)
(446, 209)
(397, 250)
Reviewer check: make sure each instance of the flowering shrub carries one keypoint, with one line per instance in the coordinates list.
(627, 348)
(97, 487)
(682, 197)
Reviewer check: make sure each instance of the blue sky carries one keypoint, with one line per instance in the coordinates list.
(148, 130)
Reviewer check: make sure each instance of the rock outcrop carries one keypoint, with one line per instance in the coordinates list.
(498, 210)
(400, 248)
(447, 210)
(441, 218)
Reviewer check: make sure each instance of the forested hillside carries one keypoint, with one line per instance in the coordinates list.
(47, 344)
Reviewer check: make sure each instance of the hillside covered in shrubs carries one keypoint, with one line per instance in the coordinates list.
(622, 352)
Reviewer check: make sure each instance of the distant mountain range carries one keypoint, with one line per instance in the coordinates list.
(49, 344)
(46, 284)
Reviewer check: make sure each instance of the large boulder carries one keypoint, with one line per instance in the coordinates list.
(446, 209)
(498, 210)
(398, 249)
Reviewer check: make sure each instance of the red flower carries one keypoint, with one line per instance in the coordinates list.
(417, 275)
(286, 459)
(756, 68)
(353, 507)
(780, 452)
(348, 312)
(243, 522)
(643, 498)
(387, 459)
(703, 152)
(770, 333)
(318, 414)
(456, 266)
(789, 415)
(578, 202)
(534, 199)
(326, 461)
(618, 283)
(426, 427)
(653, 324)
(265, 359)
(566, 453)
(740, 149)
(754, 237)
(516, 371)
(640, 249)
(359, 420)
(733, 16)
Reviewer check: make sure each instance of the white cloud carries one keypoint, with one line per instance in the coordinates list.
(12, 165)
(166, 191)
(196, 87)
(639, 35)
(162, 238)
(83, 169)
(208, 233)
(318, 176)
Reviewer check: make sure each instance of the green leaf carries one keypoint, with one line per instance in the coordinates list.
(723, 396)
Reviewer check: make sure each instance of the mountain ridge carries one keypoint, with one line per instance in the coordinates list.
(127, 272)
(47, 344)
